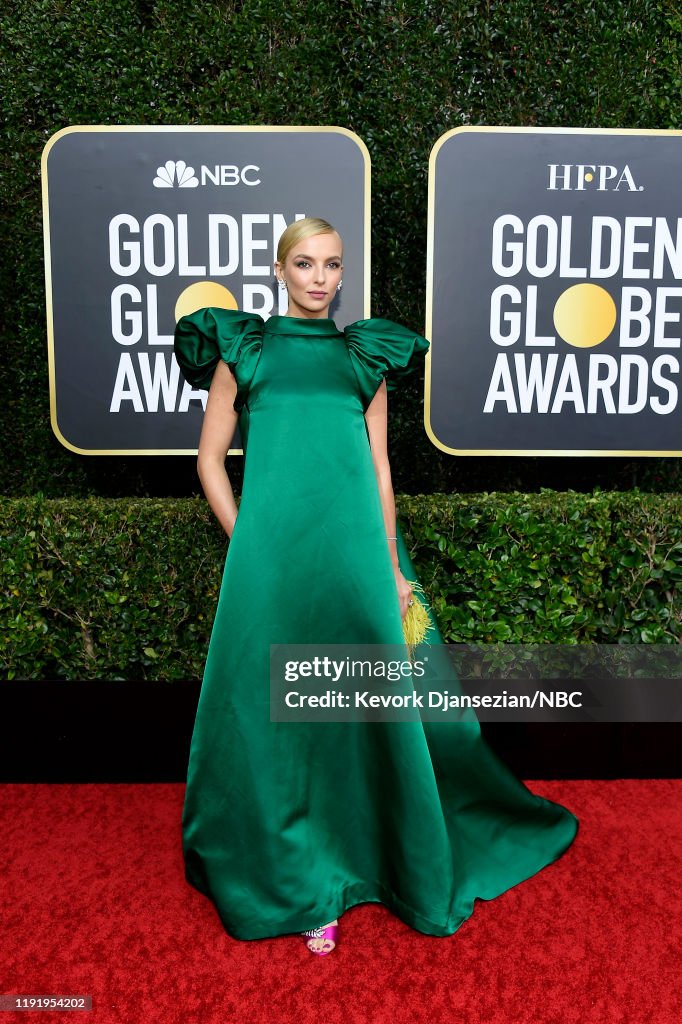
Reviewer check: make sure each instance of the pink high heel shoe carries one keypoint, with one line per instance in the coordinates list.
(322, 940)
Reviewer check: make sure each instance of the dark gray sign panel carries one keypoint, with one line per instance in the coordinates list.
(145, 224)
(554, 295)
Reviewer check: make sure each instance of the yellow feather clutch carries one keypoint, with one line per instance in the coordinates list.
(416, 623)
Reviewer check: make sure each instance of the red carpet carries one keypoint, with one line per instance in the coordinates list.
(94, 902)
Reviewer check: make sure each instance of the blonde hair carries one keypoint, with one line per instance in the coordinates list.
(300, 229)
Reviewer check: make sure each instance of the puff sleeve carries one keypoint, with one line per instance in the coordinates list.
(382, 349)
(210, 334)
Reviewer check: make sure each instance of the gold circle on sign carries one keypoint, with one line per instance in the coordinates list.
(584, 315)
(204, 293)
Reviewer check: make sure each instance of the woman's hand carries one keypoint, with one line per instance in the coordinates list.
(404, 592)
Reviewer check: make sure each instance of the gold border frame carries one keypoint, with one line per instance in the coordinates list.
(264, 129)
(429, 287)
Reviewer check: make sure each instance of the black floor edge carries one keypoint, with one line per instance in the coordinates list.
(104, 731)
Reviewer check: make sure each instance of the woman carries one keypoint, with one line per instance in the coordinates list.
(286, 825)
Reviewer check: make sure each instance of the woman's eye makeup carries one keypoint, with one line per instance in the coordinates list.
(301, 264)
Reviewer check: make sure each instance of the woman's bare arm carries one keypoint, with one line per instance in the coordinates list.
(220, 423)
(376, 417)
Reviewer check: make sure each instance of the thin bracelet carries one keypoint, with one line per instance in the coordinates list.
(391, 538)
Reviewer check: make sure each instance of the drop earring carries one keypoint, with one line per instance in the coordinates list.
(282, 283)
(338, 287)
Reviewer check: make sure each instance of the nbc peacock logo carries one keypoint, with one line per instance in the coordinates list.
(175, 172)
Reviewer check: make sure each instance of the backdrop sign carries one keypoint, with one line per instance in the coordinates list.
(143, 225)
(554, 292)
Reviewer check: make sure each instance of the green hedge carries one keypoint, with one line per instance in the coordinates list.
(127, 589)
(397, 72)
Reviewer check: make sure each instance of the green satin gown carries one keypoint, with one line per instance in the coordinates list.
(286, 825)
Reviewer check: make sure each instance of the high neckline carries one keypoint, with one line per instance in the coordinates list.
(301, 325)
